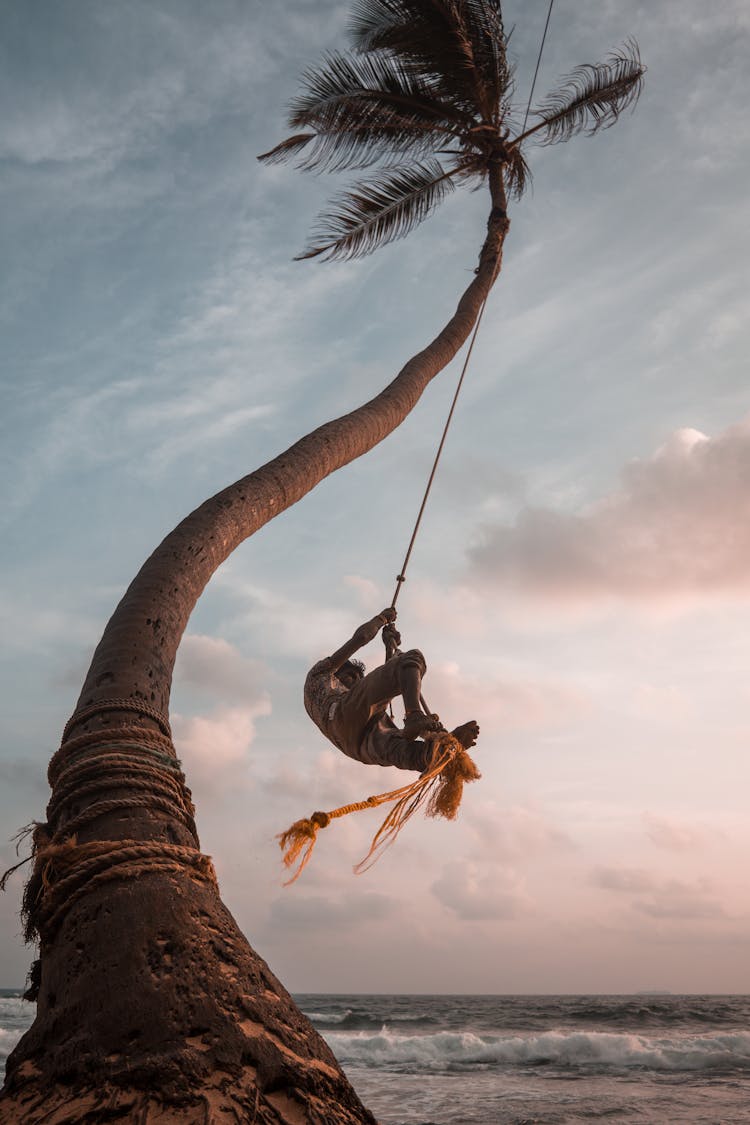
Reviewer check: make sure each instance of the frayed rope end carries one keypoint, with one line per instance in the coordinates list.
(440, 787)
(299, 840)
(446, 797)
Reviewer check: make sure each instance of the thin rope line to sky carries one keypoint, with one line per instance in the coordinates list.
(536, 70)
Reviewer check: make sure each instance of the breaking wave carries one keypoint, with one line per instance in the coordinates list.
(358, 1019)
(15, 1016)
(8, 1040)
(592, 1052)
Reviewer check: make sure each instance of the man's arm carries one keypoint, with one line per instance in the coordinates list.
(361, 636)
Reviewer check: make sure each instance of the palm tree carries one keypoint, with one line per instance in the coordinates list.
(149, 997)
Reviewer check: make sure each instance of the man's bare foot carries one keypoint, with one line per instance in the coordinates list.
(467, 734)
(417, 725)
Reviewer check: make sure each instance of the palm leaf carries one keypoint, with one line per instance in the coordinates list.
(516, 173)
(429, 78)
(363, 110)
(287, 149)
(430, 37)
(374, 83)
(592, 97)
(379, 210)
(485, 23)
(356, 147)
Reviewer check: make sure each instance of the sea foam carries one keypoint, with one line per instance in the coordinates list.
(572, 1050)
(8, 1040)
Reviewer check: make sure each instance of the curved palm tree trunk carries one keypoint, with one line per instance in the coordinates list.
(136, 654)
(151, 1004)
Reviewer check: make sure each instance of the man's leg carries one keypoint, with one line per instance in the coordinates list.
(411, 671)
(383, 744)
(410, 682)
(401, 675)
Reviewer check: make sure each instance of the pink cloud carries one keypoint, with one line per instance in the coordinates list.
(622, 879)
(318, 912)
(481, 892)
(215, 748)
(679, 903)
(515, 833)
(509, 703)
(661, 898)
(214, 666)
(674, 835)
(678, 526)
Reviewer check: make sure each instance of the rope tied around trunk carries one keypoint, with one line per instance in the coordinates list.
(126, 768)
(139, 706)
(65, 872)
(439, 787)
(159, 745)
(130, 758)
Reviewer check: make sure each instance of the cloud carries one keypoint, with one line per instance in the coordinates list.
(515, 833)
(18, 773)
(622, 879)
(57, 444)
(661, 898)
(299, 627)
(215, 748)
(214, 666)
(478, 893)
(680, 901)
(677, 527)
(181, 66)
(368, 592)
(674, 835)
(318, 912)
(512, 704)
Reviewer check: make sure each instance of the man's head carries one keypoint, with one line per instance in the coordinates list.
(351, 672)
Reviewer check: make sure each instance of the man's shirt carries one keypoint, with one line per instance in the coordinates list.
(323, 690)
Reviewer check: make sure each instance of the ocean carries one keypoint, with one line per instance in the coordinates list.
(528, 1060)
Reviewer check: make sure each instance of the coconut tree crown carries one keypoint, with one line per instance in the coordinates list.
(426, 92)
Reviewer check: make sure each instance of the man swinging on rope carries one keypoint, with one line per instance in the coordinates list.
(349, 707)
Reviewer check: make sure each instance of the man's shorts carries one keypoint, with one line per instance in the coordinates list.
(361, 726)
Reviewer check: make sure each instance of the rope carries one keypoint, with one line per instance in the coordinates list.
(536, 71)
(133, 759)
(129, 758)
(64, 873)
(440, 787)
(135, 801)
(110, 765)
(159, 745)
(138, 705)
(401, 577)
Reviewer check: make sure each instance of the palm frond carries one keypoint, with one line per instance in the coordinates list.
(356, 146)
(516, 173)
(592, 97)
(484, 22)
(376, 82)
(430, 78)
(373, 20)
(458, 43)
(379, 210)
(287, 149)
(363, 110)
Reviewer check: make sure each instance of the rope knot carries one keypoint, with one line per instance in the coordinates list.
(298, 841)
(64, 872)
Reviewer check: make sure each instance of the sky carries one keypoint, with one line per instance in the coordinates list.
(580, 585)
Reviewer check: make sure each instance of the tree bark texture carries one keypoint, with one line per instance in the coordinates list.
(152, 1006)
